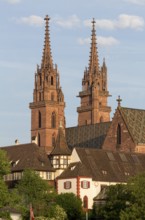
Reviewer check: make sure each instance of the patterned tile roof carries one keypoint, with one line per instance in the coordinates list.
(61, 147)
(25, 156)
(89, 136)
(135, 121)
(106, 166)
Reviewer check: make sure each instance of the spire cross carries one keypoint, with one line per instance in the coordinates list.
(119, 100)
(47, 18)
(93, 22)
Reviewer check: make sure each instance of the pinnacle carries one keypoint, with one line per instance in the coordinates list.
(47, 57)
(93, 61)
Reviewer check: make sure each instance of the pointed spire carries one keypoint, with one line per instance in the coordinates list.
(61, 147)
(94, 61)
(47, 61)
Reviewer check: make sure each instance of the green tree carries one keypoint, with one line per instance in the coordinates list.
(71, 204)
(4, 193)
(117, 197)
(135, 209)
(56, 212)
(33, 189)
(4, 163)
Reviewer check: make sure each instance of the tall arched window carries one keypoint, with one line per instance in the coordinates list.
(39, 140)
(40, 80)
(52, 96)
(119, 134)
(85, 202)
(53, 120)
(52, 80)
(39, 120)
(53, 140)
(101, 119)
(39, 96)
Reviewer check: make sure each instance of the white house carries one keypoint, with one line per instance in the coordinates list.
(91, 170)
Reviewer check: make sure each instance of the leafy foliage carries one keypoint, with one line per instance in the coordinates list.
(33, 189)
(124, 202)
(136, 206)
(117, 196)
(4, 163)
(71, 204)
(4, 194)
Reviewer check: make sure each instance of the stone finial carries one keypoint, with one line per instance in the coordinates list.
(119, 100)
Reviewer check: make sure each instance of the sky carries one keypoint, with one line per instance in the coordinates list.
(120, 28)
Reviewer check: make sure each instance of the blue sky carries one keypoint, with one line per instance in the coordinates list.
(120, 26)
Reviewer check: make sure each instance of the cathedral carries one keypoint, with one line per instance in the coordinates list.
(82, 159)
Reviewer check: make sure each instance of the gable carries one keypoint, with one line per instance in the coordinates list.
(135, 121)
(126, 140)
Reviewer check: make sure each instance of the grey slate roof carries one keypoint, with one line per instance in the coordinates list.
(89, 136)
(25, 156)
(135, 121)
(107, 166)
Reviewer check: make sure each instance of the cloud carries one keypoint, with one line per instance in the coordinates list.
(130, 21)
(31, 20)
(137, 2)
(13, 1)
(102, 41)
(122, 22)
(72, 22)
(103, 23)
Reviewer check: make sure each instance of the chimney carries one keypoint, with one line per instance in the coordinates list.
(17, 142)
(34, 140)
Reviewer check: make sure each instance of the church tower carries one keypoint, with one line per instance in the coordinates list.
(47, 108)
(94, 94)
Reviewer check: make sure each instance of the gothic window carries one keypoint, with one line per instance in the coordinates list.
(39, 140)
(39, 96)
(85, 202)
(52, 96)
(40, 80)
(39, 119)
(53, 120)
(53, 140)
(52, 80)
(118, 134)
(98, 86)
(101, 119)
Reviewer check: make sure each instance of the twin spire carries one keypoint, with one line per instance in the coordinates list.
(47, 61)
(94, 61)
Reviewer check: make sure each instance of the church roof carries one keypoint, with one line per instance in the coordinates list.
(106, 166)
(61, 147)
(90, 136)
(135, 122)
(25, 156)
